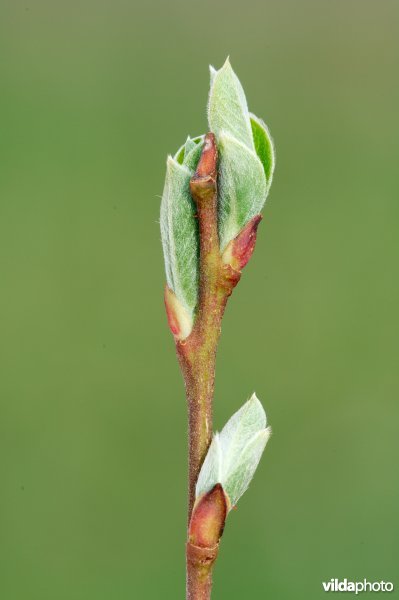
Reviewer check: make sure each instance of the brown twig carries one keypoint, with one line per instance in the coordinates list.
(197, 354)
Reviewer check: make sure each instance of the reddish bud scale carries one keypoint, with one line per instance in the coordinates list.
(179, 320)
(205, 529)
(240, 249)
(171, 315)
(208, 518)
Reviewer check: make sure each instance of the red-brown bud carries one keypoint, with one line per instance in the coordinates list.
(240, 249)
(208, 518)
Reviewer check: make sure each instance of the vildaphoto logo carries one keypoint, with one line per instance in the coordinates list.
(335, 585)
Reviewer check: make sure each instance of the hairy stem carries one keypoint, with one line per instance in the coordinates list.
(197, 353)
(199, 572)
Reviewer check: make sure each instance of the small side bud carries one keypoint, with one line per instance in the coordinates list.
(180, 322)
(208, 518)
(234, 453)
(240, 249)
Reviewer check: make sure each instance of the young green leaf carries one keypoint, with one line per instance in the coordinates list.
(189, 145)
(246, 154)
(239, 429)
(264, 147)
(211, 471)
(192, 156)
(234, 454)
(227, 106)
(238, 477)
(186, 148)
(179, 231)
(179, 156)
(242, 187)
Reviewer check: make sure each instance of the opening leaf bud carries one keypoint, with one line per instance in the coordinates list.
(235, 452)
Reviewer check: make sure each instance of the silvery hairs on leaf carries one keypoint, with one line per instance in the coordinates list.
(246, 165)
(179, 227)
(235, 452)
(246, 154)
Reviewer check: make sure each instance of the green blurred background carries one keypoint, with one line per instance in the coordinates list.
(92, 412)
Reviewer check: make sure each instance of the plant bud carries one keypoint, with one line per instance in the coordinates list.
(235, 452)
(179, 226)
(239, 250)
(208, 518)
(245, 171)
(246, 152)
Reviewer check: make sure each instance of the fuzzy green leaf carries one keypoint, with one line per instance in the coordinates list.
(192, 156)
(211, 471)
(227, 106)
(179, 231)
(234, 454)
(242, 187)
(264, 147)
(246, 154)
(238, 478)
(179, 156)
(186, 148)
(240, 428)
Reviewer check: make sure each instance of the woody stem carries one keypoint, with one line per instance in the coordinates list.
(197, 353)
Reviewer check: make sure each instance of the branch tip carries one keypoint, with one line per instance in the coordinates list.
(203, 182)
